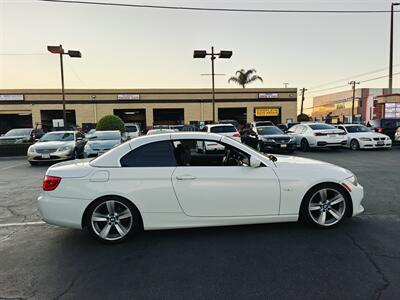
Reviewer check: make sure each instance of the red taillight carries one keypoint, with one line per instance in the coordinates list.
(236, 135)
(50, 183)
(380, 129)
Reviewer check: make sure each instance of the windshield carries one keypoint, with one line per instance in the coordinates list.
(357, 128)
(267, 130)
(57, 137)
(131, 128)
(17, 132)
(220, 129)
(105, 136)
(321, 126)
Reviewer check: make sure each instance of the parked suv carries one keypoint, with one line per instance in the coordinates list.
(132, 130)
(385, 126)
(57, 146)
(21, 135)
(317, 135)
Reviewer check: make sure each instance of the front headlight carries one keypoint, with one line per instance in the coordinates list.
(353, 180)
(31, 150)
(365, 139)
(64, 148)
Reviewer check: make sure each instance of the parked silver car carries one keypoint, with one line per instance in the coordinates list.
(101, 141)
(21, 135)
(57, 146)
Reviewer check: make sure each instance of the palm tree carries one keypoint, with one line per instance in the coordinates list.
(245, 77)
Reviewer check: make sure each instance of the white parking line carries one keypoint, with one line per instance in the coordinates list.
(14, 166)
(22, 224)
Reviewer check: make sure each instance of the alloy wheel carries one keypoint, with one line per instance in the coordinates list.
(327, 207)
(111, 220)
(354, 145)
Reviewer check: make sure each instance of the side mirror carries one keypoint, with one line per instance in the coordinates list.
(254, 162)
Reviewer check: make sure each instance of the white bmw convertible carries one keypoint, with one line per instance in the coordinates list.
(162, 182)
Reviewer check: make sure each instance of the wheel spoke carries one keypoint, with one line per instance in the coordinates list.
(334, 213)
(314, 206)
(121, 229)
(323, 194)
(337, 199)
(110, 207)
(105, 231)
(322, 218)
(97, 217)
(125, 214)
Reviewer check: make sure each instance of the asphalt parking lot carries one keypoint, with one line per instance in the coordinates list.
(358, 260)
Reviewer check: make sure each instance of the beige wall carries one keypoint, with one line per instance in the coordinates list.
(196, 111)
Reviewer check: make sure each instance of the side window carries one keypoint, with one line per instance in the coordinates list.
(158, 154)
(202, 153)
(341, 127)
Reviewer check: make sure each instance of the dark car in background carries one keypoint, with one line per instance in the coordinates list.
(268, 139)
(21, 135)
(385, 126)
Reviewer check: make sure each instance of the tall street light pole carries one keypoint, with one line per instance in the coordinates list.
(303, 91)
(353, 86)
(391, 49)
(222, 54)
(72, 53)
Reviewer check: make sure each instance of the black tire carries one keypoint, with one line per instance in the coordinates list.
(308, 216)
(354, 145)
(136, 223)
(304, 146)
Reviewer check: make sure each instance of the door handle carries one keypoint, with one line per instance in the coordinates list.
(186, 177)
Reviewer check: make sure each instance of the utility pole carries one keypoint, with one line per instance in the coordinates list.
(391, 49)
(353, 86)
(303, 90)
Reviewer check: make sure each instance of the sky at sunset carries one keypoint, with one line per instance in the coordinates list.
(152, 48)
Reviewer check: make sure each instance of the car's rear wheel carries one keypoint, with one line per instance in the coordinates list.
(325, 205)
(113, 220)
(354, 144)
(304, 146)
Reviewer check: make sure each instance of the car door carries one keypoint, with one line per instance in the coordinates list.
(207, 189)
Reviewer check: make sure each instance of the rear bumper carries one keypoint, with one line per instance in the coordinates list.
(65, 212)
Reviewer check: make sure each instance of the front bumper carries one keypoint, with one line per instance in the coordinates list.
(65, 212)
(375, 144)
(357, 194)
(54, 156)
(276, 147)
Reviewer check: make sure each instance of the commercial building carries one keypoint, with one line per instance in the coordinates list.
(339, 105)
(38, 108)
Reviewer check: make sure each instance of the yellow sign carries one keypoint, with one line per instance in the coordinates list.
(267, 112)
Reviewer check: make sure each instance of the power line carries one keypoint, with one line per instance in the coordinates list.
(192, 8)
(21, 54)
(351, 77)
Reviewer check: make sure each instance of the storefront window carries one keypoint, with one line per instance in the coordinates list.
(392, 110)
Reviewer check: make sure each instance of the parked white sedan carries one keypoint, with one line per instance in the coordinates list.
(317, 135)
(161, 182)
(361, 137)
(227, 130)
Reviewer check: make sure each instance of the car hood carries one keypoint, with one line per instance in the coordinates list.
(103, 143)
(299, 166)
(14, 137)
(368, 134)
(51, 145)
(275, 136)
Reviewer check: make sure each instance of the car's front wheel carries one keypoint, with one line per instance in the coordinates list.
(354, 144)
(325, 205)
(113, 220)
